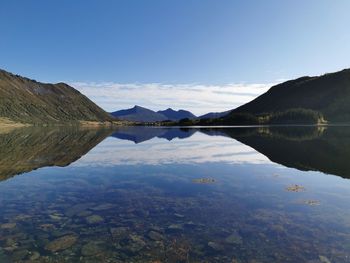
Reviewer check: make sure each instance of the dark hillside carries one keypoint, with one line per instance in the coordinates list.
(328, 94)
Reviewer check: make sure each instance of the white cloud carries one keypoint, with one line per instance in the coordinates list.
(197, 98)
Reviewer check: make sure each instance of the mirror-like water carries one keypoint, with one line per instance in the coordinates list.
(175, 195)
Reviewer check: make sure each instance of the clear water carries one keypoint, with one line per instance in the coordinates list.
(175, 195)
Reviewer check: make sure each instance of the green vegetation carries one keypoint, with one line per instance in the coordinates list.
(28, 101)
(292, 116)
(307, 100)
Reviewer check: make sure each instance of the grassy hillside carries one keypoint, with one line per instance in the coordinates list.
(28, 101)
(328, 95)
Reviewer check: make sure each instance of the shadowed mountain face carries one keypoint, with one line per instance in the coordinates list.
(27, 149)
(28, 101)
(328, 94)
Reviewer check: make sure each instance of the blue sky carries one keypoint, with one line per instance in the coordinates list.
(179, 42)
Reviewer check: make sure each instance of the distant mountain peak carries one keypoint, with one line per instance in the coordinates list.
(141, 114)
(177, 115)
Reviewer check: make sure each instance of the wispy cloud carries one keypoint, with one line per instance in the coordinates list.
(197, 98)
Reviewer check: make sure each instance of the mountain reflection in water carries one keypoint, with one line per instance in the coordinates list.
(152, 194)
(26, 149)
(304, 148)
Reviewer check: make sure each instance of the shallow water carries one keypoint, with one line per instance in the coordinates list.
(175, 195)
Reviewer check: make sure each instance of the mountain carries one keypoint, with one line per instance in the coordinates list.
(141, 114)
(214, 115)
(328, 95)
(306, 100)
(173, 115)
(28, 101)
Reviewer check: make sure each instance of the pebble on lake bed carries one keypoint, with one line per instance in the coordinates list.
(324, 259)
(234, 239)
(215, 246)
(94, 219)
(91, 249)
(175, 227)
(61, 243)
(155, 236)
(8, 226)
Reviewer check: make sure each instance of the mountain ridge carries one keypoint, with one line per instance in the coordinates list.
(328, 94)
(213, 115)
(316, 100)
(176, 115)
(29, 101)
(138, 114)
(142, 114)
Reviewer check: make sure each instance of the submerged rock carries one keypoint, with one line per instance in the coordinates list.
(56, 217)
(22, 217)
(76, 209)
(119, 232)
(8, 226)
(135, 244)
(91, 249)
(234, 239)
(103, 207)
(324, 259)
(84, 213)
(190, 224)
(179, 215)
(175, 228)
(62, 243)
(155, 236)
(46, 227)
(94, 219)
(215, 246)
(34, 256)
(19, 255)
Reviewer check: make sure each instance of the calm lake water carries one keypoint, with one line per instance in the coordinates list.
(175, 195)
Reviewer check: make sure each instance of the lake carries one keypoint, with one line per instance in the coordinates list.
(143, 194)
